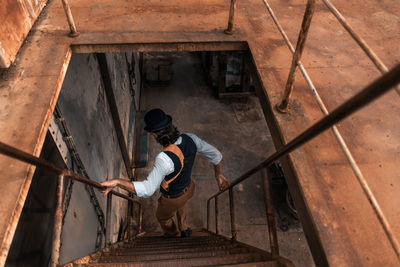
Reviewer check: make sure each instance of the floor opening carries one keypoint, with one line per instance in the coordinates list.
(211, 94)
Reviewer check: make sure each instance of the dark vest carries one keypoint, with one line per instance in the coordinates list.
(189, 149)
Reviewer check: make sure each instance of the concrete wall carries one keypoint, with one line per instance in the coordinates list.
(85, 108)
(16, 20)
(86, 111)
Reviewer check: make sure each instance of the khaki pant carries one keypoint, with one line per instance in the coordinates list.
(167, 207)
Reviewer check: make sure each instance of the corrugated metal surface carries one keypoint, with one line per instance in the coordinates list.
(16, 20)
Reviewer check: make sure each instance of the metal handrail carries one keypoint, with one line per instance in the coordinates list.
(74, 32)
(308, 14)
(360, 41)
(62, 173)
(356, 170)
(363, 98)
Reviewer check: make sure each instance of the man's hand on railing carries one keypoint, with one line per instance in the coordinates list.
(222, 182)
(221, 179)
(108, 186)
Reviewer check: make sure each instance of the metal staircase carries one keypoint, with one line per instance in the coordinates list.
(201, 249)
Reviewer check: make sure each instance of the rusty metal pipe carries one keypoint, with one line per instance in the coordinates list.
(216, 216)
(70, 19)
(229, 29)
(108, 219)
(360, 100)
(208, 215)
(305, 26)
(232, 212)
(57, 227)
(360, 41)
(28, 158)
(270, 211)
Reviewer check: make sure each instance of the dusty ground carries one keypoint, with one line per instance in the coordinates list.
(244, 141)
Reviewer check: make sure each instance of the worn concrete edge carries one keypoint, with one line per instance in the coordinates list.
(310, 229)
(161, 47)
(13, 220)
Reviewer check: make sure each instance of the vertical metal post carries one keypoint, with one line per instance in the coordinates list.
(232, 9)
(216, 216)
(108, 219)
(208, 214)
(57, 228)
(140, 218)
(232, 211)
(70, 19)
(269, 207)
(305, 26)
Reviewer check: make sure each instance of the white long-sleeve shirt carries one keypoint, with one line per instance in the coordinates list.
(164, 166)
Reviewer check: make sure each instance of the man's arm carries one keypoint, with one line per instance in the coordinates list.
(163, 166)
(214, 156)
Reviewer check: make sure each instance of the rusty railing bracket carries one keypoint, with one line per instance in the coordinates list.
(73, 31)
(283, 109)
(229, 29)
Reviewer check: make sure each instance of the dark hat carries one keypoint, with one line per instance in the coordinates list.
(156, 120)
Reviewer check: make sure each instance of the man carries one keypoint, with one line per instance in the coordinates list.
(171, 172)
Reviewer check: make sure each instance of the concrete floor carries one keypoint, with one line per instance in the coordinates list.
(244, 141)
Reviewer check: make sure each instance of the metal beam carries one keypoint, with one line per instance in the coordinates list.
(105, 74)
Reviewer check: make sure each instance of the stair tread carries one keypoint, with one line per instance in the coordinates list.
(168, 245)
(182, 240)
(201, 261)
(175, 255)
(172, 249)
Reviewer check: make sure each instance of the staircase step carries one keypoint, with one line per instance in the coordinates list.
(143, 251)
(172, 255)
(177, 244)
(162, 240)
(254, 258)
